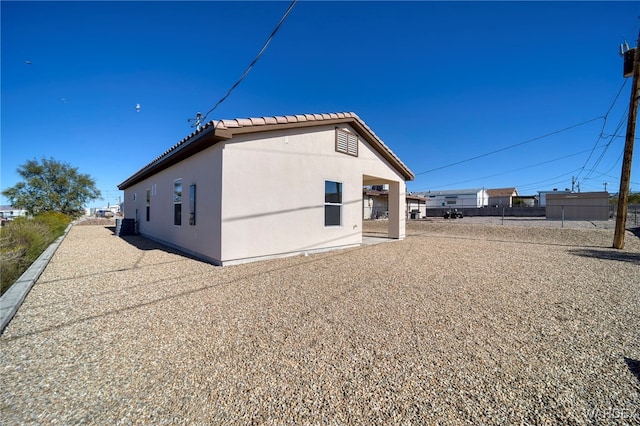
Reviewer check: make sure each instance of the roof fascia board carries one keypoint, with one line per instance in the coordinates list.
(199, 143)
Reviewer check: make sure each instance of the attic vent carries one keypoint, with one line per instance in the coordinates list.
(346, 143)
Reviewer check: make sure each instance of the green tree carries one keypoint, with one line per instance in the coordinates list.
(51, 186)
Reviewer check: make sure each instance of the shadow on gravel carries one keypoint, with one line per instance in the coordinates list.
(610, 254)
(635, 231)
(143, 243)
(634, 366)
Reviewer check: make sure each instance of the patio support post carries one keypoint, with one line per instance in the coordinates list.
(397, 213)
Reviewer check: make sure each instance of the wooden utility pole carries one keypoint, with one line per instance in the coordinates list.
(625, 178)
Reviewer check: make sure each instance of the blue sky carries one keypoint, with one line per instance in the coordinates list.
(440, 82)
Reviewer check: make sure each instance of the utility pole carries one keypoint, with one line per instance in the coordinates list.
(631, 59)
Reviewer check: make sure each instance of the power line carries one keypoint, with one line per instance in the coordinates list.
(246, 71)
(511, 146)
(516, 170)
(547, 180)
(604, 123)
(612, 138)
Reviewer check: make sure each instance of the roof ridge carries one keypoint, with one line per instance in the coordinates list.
(225, 123)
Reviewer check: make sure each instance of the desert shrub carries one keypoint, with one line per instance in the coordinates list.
(23, 240)
(56, 221)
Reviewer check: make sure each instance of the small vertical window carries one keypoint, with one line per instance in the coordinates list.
(177, 202)
(192, 204)
(332, 203)
(148, 201)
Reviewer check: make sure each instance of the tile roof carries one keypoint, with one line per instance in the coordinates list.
(501, 192)
(218, 130)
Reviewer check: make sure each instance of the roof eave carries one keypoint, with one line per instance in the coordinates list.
(198, 143)
(215, 132)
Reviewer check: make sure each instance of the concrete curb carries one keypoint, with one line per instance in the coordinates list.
(11, 300)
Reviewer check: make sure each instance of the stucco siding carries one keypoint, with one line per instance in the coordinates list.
(283, 174)
(260, 191)
(203, 238)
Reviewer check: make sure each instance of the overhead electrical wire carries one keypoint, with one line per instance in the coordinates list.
(511, 146)
(604, 123)
(534, 184)
(515, 170)
(255, 60)
(611, 139)
(580, 170)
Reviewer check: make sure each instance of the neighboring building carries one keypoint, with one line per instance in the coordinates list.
(10, 212)
(501, 197)
(108, 211)
(416, 206)
(247, 189)
(375, 204)
(578, 205)
(526, 201)
(456, 198)
(542, 195)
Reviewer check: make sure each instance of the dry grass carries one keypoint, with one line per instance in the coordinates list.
(459, 323)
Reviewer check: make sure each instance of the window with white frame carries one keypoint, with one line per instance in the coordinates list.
(177, 202)
(332, 203)
(346, 142)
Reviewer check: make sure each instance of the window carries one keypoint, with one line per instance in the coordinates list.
(177, 202)
(346, 143)
(148, 204)
(192, 204)
(332, 203)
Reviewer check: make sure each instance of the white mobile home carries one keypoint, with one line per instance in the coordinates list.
(304, 175)
(456, 198)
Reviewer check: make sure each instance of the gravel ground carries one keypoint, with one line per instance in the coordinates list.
(460, 323)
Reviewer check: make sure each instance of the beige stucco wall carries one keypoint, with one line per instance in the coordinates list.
(204, 170)
(273, 192)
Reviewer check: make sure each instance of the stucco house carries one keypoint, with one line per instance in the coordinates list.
(303, 174)
(501, 197)
(416, 206)
(375, 204)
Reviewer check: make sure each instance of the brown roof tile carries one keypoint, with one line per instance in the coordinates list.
(501, 192)
(217, 130)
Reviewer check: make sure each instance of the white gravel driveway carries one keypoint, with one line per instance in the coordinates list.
(460, 323)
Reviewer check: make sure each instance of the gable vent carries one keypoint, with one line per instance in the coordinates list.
(346, 143)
